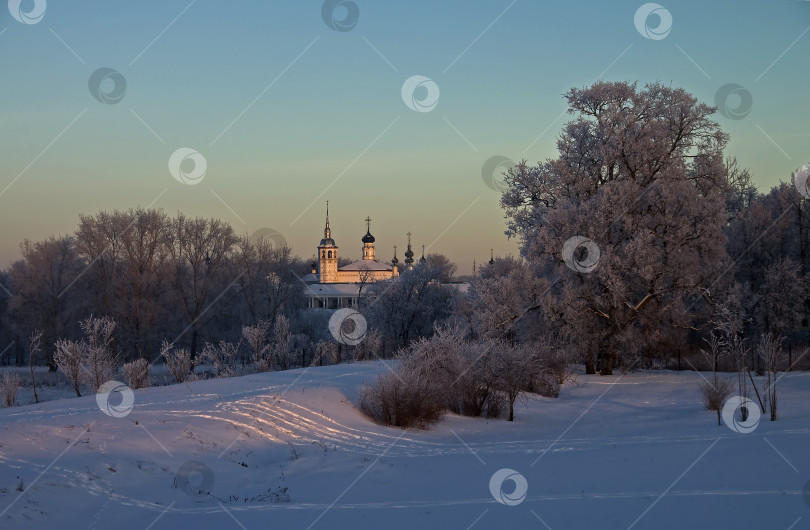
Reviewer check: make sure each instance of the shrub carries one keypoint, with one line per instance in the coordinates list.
(99, 363)
(136, 374)
(401, 400)
(8, 389)
(178, 361)
(222, 356)
(68, 357)
(714, 393)
(369, 347)
(256, 339)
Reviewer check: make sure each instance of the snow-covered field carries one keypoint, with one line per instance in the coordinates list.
(290, 450)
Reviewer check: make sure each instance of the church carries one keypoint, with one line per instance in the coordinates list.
(332, 287)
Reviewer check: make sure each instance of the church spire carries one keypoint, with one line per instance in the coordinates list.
(422, 259)
(491, 256)
(327, 232)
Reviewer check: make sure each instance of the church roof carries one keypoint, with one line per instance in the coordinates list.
(366, 265)
(332, 289)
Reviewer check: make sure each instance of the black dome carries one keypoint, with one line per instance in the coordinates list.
(368, 238)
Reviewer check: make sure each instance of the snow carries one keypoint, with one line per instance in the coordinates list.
(291, 450)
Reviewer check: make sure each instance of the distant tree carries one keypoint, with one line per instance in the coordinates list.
(502, 294)
(48, 290)
(126, 252)
(444, 267)
(781, 298)
(198, 257)
(408, 306)
(266, 278)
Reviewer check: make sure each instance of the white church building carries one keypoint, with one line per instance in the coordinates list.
(331, 287)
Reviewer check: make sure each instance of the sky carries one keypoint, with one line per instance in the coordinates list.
(288, 104)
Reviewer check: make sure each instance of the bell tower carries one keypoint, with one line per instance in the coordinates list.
(327, 255)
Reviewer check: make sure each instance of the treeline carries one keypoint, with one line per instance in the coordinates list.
(186, 280)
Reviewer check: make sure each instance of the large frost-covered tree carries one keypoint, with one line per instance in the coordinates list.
(641, 173)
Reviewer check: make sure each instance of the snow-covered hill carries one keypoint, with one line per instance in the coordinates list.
(290, 450)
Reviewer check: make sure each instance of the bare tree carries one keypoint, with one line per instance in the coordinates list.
(282, 342)
(266, 278)
(772, 355)
(199, 257)
(515, 368)
(34, 347)
(48, 289)
(716, 391)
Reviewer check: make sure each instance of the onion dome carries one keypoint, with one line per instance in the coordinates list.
(409, 252)
(368, 238)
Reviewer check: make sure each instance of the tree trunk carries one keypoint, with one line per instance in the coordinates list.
(193, 343)
(589, 364)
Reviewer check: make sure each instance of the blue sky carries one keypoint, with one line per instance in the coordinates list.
(289, 113)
